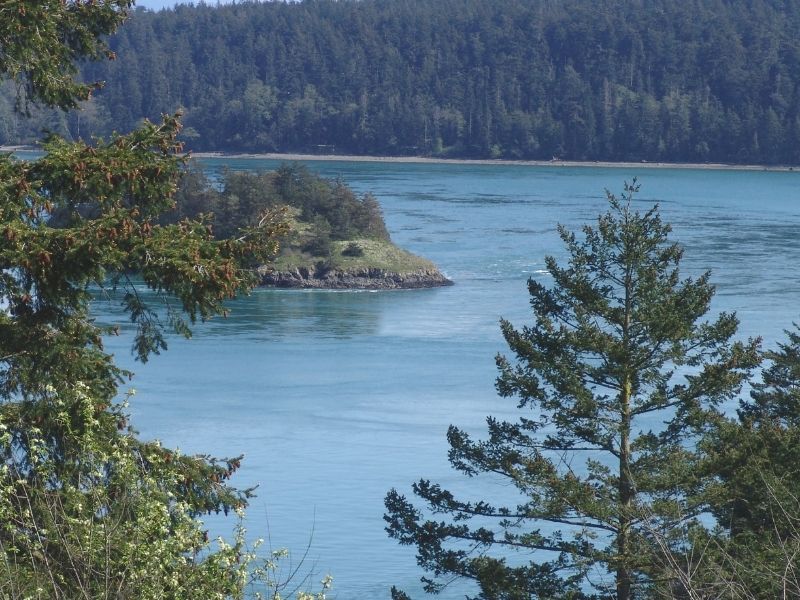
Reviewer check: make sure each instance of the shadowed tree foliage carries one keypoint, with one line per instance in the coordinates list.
(616, 378)
(240, 199)
(755, 494)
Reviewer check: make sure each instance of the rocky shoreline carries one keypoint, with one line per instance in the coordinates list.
(356, 279)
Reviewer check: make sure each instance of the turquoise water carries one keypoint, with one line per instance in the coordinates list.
(335, 397)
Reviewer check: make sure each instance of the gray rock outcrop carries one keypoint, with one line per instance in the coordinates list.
(361, 279)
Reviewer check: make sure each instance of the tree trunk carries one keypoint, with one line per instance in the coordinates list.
(625, 496)
(626, 490)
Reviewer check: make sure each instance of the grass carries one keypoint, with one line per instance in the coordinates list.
(378, 254)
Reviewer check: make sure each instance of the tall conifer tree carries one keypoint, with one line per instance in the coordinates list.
(88, 510)
(616, 377)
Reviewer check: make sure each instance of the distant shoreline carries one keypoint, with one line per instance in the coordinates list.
(293, 156)
(476, 161)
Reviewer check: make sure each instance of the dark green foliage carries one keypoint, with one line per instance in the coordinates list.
(755, 496)
(353, 249)
(399, 595)
(43, 41)
(332, 201)
(763, 451)
(329, 210)
(575, 79)
(318, 242)
(52, 350)
(617, 346)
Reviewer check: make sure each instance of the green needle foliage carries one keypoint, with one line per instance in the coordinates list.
(616, 379)
(755, 495)
(87, 510)
(42, 42)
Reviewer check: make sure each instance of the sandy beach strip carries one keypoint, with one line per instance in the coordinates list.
(298, 157)
(289, 157)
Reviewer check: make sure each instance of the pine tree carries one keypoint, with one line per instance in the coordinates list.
(86, 508)
(616, 377)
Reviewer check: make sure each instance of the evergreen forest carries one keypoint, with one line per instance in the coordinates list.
(644, 80)
(328, 206)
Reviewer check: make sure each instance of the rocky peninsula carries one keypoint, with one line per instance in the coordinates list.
(329, 237)
(362, 279)
(364, 264)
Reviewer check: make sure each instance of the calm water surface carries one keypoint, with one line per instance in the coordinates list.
(335, 397)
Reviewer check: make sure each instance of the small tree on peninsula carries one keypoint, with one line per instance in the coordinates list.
(618, 376)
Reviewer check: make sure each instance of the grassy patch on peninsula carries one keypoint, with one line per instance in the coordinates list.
(377, 254)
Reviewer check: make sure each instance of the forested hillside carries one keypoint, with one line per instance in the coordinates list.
(715, 80)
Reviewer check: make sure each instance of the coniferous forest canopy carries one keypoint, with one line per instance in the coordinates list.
(651, 80)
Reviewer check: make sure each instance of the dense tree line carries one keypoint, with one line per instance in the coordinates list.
(320, 210)
(312, 211)
(632, 80)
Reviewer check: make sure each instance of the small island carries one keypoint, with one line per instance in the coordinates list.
(355, 264)
(336, 239)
